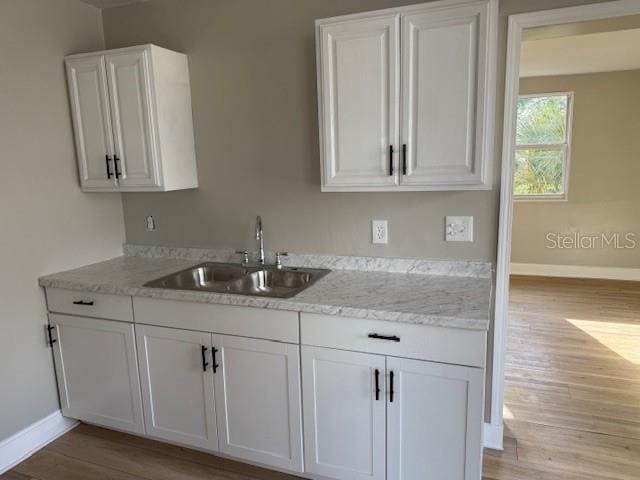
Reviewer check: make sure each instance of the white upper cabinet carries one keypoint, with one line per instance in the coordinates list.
(131, 110)
(359, 69)
(92, 122)
(406, 97)
(128, 77)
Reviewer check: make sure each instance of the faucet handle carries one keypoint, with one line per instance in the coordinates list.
(279, 259)
(245, 254)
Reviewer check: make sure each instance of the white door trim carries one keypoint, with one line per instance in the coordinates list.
(516, 24)
(28, 441)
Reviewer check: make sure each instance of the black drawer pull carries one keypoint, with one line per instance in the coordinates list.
(115, 166)
(391, 160)
(214, 350)
(82, 302)
(377, 377)
(51, 339)
(107, 160)
(204, 349)
(404, 158)
(391, 338)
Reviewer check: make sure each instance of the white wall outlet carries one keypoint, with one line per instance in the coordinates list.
(379, 231)
(459, 229)
(151, 223)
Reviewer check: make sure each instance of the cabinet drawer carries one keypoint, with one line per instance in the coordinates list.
(439, 344)
(114, 307)
(227, 319)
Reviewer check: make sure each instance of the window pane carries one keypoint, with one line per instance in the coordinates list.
(541, 119)
(539, 171)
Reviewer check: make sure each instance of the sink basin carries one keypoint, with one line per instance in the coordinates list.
(251, 280)
(272, 283)
(208, 276)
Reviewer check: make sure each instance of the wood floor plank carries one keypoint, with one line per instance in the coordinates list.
(13, 475)
(50, 465)
(572, 381)
(136, 461)
(183, 453)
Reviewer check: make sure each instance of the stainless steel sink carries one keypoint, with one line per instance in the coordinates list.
(208, 276)
(244, 280)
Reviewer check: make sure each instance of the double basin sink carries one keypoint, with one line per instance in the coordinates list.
(261, 280)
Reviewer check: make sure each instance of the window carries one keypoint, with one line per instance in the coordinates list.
(542, 146)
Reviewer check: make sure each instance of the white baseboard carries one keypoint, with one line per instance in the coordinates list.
(576, 271)
(26, 442)
(492, 436)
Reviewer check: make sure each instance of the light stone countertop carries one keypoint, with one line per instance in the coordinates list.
(437, 300)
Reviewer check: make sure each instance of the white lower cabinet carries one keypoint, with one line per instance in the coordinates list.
(257, 385)
(434, 421)
(371, 416)
(177, 385)
(367, 415)
(344, 418)
(97, 371)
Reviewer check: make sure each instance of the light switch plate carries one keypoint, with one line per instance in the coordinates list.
(379, 231)
(459, 229)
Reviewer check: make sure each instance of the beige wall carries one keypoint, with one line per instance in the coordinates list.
(46, 223)
(253, 82)
(252, 65)
(603, 178)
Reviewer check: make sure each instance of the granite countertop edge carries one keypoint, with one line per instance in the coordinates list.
(298, 304)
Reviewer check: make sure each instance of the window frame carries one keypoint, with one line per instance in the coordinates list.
(565, 146)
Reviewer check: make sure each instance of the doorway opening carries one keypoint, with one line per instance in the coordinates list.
(566, 370)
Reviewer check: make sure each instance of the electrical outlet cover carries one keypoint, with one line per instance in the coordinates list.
(379, 231)
(459, 229)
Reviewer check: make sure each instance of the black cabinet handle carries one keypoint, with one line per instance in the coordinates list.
(214, 350)
(107, 160)
(377, 377)
(51, 339)
(391, 338)
(82, 302)
(115, 165)
(391, 386)
(391, 160)
(205, 364)
(404, 158)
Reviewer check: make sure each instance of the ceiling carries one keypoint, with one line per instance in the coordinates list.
(110, 3)
(584, 53)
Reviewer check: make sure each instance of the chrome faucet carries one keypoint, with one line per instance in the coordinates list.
(260, 239)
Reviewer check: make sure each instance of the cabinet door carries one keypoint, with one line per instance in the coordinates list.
(87, 82)
(177, 387)
(97, 371)
(359, 101)
(258, 401)
(434, 421)
(443, 69)
(130, 96)
(344, 422)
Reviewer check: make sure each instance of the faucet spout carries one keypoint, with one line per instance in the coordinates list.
(260, 239)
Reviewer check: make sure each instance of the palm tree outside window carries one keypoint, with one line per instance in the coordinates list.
(543, 134)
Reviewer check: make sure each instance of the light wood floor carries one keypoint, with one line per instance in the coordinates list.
(572, 394)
